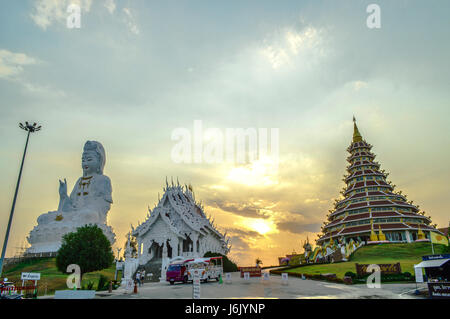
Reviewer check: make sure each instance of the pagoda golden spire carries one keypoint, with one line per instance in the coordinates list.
(356, 135)
(373, 235)
(420, 234)
(381, 236)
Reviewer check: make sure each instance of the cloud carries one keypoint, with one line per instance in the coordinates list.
(43, 90)
(243, 233)
(298, 227)
(110, 5)
(357, 85)
(288, 45)
(242, 209)
(131, 21)
(238, 243)
(11, 64)
(46, 12)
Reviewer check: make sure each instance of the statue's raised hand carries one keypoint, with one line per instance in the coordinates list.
(63, 188)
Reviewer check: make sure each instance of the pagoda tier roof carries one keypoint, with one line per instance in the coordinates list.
(358, 145)
(374, 215)
(334, 222)
(366, 172)
(362, 184)
(356, 217)
(386, 214)
(368, 194)
(411, 214)
(359, 154)
(379, 203)
(362, 163)
(384, 227)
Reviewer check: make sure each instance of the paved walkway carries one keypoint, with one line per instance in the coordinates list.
(273, 288)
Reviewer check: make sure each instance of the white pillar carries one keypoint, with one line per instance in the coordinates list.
(194, 238)
(408, 236)
(164, 263)
(175, 246)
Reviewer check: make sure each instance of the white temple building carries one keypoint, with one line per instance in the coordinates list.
(177, 227)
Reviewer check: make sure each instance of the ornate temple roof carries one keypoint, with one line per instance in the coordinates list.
(369, 197)
(178, 209)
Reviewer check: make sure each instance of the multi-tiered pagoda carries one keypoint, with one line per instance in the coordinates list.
(371, 210)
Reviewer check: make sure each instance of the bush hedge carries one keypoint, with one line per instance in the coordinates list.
(406, 276)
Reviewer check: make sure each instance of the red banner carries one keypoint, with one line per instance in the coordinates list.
(253, 271)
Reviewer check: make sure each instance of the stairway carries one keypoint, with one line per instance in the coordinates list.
(151, 267)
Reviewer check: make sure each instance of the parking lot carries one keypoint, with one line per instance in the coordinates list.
(273, 288)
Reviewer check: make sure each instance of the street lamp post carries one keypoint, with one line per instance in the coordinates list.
(30, 128)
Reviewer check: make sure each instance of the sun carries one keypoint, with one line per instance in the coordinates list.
(260, 173)
(260, 225)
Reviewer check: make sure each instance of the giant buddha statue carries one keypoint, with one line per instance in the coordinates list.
(88, 203)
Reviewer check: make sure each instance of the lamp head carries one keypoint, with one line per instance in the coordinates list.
(30, 127)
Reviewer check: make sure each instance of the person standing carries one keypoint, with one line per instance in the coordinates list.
(138, 278)
(143, 276)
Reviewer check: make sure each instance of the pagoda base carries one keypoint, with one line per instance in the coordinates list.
(378, 242)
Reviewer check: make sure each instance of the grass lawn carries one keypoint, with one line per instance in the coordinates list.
(407, 254)
(50, 276)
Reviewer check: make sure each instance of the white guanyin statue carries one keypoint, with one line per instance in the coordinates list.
(88, 203)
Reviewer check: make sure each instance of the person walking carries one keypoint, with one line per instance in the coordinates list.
(138, 278)
(143, 276)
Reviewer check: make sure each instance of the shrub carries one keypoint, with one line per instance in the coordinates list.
(103, 283)
(350, 274)
(88, 286)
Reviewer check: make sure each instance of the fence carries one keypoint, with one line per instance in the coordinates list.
(27, 257)
(26, 291)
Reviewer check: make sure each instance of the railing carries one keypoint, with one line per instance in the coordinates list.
(26, 291)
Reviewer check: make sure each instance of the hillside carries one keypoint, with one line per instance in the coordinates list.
(407, 254)
(50, 276)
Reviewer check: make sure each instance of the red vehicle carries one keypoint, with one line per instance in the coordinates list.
(177, 272)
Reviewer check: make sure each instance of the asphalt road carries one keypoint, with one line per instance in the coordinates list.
(272, 288)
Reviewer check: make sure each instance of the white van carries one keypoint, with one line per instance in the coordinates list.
(212, 268)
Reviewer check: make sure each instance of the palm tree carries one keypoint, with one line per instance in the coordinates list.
(258, 262)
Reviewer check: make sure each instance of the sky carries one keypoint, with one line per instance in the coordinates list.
(135, 71)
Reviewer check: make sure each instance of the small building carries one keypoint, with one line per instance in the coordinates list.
(437, 270)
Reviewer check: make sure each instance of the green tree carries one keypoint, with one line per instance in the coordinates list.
(258, 262)
(88, 248)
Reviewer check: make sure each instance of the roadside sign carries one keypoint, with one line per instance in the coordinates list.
(31, 276)
(284, 278)
(196, 283)
(129, 285)
(228, 278)
(418, 274)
